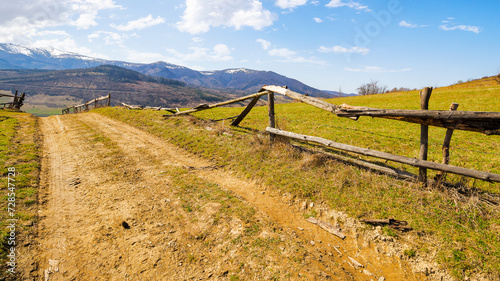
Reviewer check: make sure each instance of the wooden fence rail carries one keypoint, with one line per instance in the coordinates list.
(17, 102)
(387, 156)
(483, 122)
(87, 106)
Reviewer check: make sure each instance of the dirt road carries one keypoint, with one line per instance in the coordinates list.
(121, 204)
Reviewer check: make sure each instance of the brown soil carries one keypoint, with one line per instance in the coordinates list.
(112, 210)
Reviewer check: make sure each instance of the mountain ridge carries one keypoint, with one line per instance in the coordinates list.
(14, 56)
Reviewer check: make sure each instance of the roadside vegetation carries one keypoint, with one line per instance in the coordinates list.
(19, 149)
(461, 232)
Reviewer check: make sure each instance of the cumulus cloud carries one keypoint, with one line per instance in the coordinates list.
(20, 20)
(290, 4)
(376, 69)
(264, 43)
(219, 52)
(141, 23)
(344, 50)
(200, 15)
(318, 20)
(349, 3)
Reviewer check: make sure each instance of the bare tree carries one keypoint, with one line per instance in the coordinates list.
(371, 88)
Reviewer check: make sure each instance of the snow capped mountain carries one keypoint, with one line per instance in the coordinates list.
(20, 57)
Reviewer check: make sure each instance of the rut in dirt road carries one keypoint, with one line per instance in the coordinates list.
(121, 204)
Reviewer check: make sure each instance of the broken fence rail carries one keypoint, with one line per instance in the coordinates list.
(86, 106)
(17, 103)
(483, 122)
(384, 155)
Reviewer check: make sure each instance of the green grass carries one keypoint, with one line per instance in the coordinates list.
(42, 111)
(18, 149)
(465, 233)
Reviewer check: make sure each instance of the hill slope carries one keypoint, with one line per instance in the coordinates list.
(455, 228)
(124, 85)
(19, 57)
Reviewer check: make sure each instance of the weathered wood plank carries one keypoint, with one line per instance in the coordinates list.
(396, 158)
(484, 122)
(305, 99)
(132, 106)
(328, 227)
(245, 112)
(219, 104)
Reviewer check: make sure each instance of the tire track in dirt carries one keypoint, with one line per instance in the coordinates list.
(100, 175)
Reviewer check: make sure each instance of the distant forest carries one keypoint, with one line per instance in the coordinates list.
(120, 74)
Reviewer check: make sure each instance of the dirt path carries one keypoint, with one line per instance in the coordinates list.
(121, 204)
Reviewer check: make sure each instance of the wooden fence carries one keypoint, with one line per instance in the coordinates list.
(17, 102)
(89, 105)
(483, 122)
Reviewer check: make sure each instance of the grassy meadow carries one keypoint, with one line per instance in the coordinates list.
(462, 233)
(19, 149)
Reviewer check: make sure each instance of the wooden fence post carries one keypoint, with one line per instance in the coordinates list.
(272, 120)
(109, 99)
(425, 95)
(447, 139)
(446, 144)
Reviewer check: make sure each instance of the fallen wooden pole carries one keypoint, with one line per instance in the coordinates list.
(131, 106)
(219, 104)
(396, 158)
(245, 112)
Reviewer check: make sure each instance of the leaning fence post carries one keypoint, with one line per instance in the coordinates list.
(272, 121)
(446, 143)
(425, 95)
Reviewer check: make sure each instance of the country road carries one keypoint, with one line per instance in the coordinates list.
(117, 203)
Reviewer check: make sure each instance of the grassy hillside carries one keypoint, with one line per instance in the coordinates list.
(460, 232)
(86, 84)
(19, 149)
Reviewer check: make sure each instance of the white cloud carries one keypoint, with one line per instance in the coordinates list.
(290, 4)
(344, 50)
(264, 43)
(200, 15)
(219, 52)
(93, 36)
(376, 69)
(141, 23)
(144, 57)
(470, 28)
(404, 23)
(407, 24)
(349, 3)
(20, 20)
(197, 39)
(290, 56)
(68, 45)
(85, 21)
(282, 52)
(318, 20)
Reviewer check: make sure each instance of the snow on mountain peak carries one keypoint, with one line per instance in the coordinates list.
(236, 70)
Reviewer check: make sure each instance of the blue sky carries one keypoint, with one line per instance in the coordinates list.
(330, 44)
